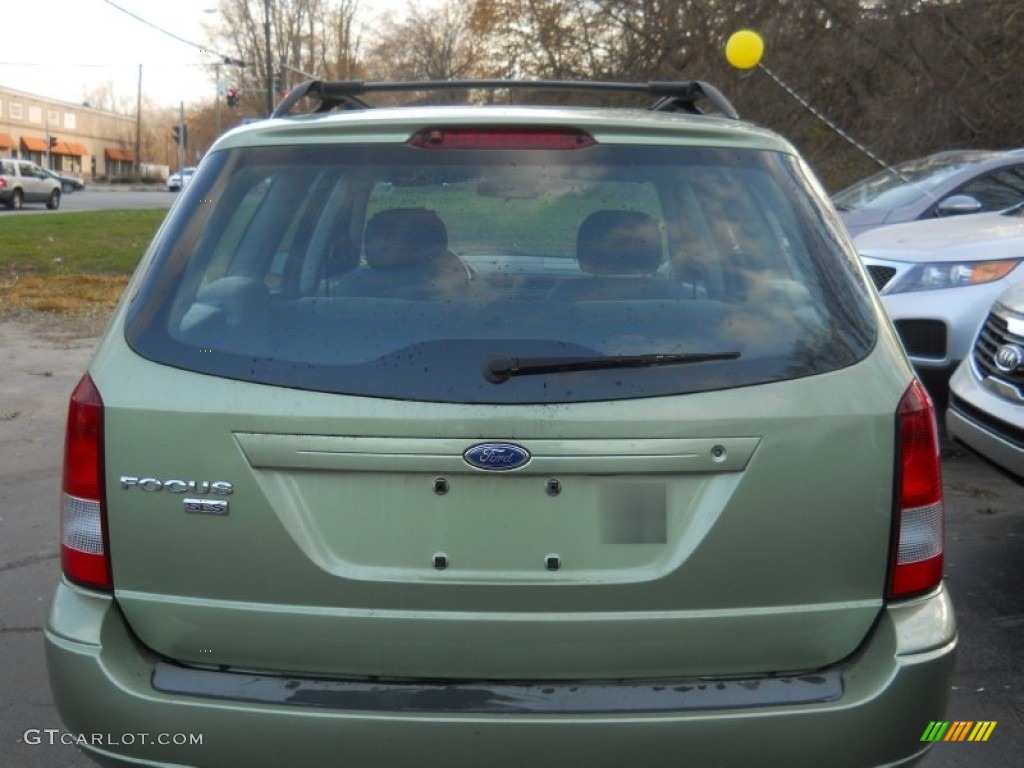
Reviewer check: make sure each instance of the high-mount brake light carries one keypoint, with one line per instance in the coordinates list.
(85, 553)
(919, 524)
(502, 138)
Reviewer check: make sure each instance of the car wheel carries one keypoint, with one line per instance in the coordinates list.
(53, 202)
(67, 187)
(16, 200)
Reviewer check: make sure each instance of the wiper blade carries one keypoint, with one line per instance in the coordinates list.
(498, 369)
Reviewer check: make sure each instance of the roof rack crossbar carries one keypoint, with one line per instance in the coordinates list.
(344, 94)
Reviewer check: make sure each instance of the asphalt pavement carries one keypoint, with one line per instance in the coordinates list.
(42, 359)
(102, 197)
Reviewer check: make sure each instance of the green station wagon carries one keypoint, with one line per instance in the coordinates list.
(501, 435)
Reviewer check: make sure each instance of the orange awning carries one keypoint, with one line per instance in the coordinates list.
(6, 142)
(30, 144)
(70, 148)
(124, 155)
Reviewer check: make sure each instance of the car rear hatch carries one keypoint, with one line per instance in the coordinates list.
(684, 468)
(355, 544)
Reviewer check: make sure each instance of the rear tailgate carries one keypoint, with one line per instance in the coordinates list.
(674, 536)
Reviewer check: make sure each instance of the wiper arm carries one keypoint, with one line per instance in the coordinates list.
(498, 369)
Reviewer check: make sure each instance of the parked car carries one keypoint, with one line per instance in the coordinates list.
(514, 435)
(938, 279)
(178, 181)
(68, 184)
(986, 402)
(24, 182)
(944, 184)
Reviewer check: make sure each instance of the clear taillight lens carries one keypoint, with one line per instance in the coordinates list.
(83, 538)
(919, 525)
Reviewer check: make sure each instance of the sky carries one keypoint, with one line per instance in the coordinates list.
(65, 49)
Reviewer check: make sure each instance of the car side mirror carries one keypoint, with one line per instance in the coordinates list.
(957, 205)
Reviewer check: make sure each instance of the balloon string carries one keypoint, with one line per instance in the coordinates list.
(828, 122)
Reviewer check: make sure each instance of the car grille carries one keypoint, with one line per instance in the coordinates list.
(880, 276)
(923, 338)
(995, 333)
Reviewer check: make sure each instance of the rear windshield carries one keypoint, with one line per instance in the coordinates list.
(500, 275)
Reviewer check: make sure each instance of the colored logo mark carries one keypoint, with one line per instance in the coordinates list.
(496, 457)
(959, 730)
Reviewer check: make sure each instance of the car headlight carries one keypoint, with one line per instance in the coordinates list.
(934, 277)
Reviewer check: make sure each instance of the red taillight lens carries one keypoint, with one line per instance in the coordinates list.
(83, 536)
(919, 525)
(502, 138)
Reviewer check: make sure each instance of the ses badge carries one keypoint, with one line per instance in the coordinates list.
(205, 506)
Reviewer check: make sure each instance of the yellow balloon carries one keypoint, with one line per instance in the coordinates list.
(744, 49)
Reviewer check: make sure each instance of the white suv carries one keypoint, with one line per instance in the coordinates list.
(178, 181)
(24, 182)
(938, 278)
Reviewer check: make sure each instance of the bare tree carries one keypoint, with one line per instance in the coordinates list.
(429, 43)
(901, 77)
(343, 42)
(904, 77)
(541, 38)
(106, 97)
(307, 37)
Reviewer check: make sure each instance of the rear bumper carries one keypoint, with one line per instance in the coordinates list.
(103, 683)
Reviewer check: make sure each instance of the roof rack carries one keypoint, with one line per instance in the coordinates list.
(344, 94)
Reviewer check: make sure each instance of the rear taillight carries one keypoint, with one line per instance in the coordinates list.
(919, 517)
(85, 555)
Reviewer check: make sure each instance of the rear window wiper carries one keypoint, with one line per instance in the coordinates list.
(498, 369)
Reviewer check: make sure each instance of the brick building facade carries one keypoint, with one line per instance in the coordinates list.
(69, 138)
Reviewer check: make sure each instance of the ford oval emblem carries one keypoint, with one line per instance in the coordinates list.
(496, 457)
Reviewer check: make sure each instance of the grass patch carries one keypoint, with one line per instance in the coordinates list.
(62, 294)
(72, 263)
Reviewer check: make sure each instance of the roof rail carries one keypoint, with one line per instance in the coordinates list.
(344, 94)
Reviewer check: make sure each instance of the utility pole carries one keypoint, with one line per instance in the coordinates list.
(267, 61)
(217, 132)
(138, 127)
(183, 134)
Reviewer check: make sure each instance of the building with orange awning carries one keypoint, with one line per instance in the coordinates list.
(68, 138)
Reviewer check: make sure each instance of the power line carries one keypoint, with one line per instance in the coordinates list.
(63, 65)
(227, 59)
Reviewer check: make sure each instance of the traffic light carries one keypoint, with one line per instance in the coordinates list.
(180, 134)
(232, 97)
(53, 142)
